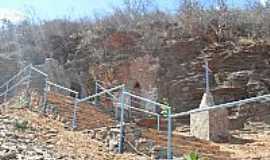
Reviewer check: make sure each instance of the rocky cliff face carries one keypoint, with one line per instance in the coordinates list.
(157, 60)
(238, 71)
(174, 69)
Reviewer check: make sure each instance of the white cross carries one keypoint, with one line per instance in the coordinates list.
(207, 70)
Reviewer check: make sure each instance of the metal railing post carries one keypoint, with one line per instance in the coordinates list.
(169, 138)
(6, 94)
(74, 117)
(29, 78)
(45, 96)
(16, 86)
(28, 87)
(158, 123)
(116, 109)
(96, 91)
(122, 134)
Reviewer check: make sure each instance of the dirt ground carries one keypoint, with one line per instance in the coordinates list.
(88, 116)
(183, 144)
(75, 145)
(250, 143)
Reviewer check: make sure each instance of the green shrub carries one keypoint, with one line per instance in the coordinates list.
(22, 101)
(165, 111)
(192, 156)
(21, 125)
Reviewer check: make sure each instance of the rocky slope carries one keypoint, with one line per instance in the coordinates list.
(22, 146)
(21, 142)
(28, 135)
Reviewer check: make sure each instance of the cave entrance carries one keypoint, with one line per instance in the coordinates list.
(137, 90)
(76, 87)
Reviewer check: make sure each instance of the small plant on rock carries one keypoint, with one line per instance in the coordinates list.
(22, 101)
(192, 156)
(21, 125)
(165, 111)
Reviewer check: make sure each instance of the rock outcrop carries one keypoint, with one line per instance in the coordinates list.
(238, 72)
(159, 57)
(19, 141)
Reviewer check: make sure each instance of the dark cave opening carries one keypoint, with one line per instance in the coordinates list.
(76, 87)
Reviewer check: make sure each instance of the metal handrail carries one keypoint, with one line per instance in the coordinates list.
(145, 99)
(226, 105)
(103, 88)
(39, 71)
(15, 76)
(18, 83)
(15, 85)
(61, 87)
(100, 93)
(126, 106)
(139, 109)
(135, 108)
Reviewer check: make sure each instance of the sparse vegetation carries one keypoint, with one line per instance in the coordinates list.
(164, 111)
(137, 26)
(192, 156)
(22, 101)
(21, 125)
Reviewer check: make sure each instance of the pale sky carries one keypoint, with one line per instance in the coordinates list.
(263, 2)
(51, 9)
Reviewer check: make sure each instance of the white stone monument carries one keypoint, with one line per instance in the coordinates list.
(213, 124)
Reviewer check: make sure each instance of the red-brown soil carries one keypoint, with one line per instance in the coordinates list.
(88, 116)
